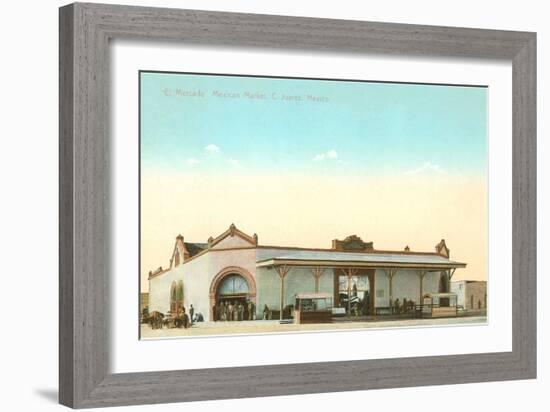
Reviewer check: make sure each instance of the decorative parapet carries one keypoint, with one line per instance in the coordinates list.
(442, 249)
(352, 243)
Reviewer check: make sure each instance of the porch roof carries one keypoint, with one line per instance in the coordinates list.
(347, 259)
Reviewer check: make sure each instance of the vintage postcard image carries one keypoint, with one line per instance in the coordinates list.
(276, 204)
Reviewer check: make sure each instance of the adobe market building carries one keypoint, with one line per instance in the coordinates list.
(234, 269)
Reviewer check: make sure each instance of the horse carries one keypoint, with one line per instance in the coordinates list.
(156, 320)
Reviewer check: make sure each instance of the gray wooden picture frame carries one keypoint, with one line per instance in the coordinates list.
(85, 32)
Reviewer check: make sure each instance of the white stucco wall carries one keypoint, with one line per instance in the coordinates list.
(406, 284)
(196, 283)
(197, 275)
(159, 289)
(382, 287)
(459, 287)
(326, 281)
(465, 290)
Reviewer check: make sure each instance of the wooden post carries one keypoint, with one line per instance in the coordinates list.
(421, 274)
(349, 292)
(282, 271)
(390, 273)
(317, 272)
(282, 304)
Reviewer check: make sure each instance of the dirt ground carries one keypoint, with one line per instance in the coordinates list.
(273, 326)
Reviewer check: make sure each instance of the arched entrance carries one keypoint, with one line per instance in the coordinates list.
(233, 287)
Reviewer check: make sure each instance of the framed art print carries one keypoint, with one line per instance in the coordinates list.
(360, 194)
(322, 156)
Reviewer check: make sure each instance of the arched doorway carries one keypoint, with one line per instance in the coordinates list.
(233, 287)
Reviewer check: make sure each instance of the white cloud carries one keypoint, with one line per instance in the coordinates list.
(330, 155)
(192, 161)
(426, 167)
(235, 163)
(212, 148)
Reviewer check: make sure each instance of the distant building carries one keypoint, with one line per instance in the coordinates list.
(143, 301)
(235, 269)
(471, 294)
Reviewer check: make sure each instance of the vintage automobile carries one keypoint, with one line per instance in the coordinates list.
(313, 308)
(439, 305)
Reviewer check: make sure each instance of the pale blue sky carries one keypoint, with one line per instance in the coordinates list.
(360, 127)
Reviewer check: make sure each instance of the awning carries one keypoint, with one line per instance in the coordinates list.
(331, 259)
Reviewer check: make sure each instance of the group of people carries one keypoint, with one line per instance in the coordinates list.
(178, 318)
(234, 311)
(357, 306)
(405, 307)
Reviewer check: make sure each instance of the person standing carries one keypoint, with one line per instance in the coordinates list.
(182, 317)
(230, 311)
(240, 311)
(191, 313)
(221, 311)
(249, 310)
(245, 310)
(235, 311)
(397, 306)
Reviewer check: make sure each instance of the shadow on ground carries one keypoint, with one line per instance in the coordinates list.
(51, 395)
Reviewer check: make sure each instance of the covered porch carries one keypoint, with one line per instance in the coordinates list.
(355, 277)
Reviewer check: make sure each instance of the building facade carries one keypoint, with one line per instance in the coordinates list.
(471, 294)
(234, 268)
(143, 301)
